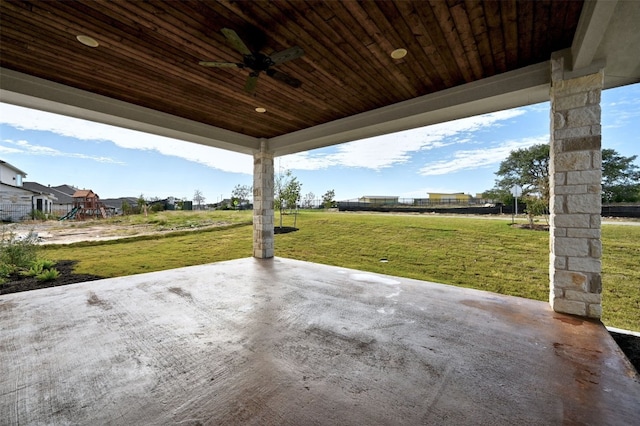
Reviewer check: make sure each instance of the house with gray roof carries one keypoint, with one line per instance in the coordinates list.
(63, 193)
(18, 202)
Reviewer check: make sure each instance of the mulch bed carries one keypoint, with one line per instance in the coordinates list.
(629, 344)
(17, 283)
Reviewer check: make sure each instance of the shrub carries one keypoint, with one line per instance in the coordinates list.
(38, 215)
(18, 252)
(21, 255)
(48, 275)
(38, 266)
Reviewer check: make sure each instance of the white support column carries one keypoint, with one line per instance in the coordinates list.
(263, 202)
(575, 186)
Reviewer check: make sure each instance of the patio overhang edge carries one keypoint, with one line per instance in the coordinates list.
(525, 86)
(32, 92)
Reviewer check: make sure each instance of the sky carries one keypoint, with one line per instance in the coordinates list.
(458, 156)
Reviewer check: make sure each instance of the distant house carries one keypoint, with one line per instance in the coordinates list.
(16, 201)
(378, 200)
(115, 204)
(455, 198)
(63, 193)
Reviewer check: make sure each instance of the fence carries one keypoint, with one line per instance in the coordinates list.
(15, 212)
(466, 207)
(18, 212)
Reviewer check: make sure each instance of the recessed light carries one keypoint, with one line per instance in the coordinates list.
(261, 110)
(87, 41)
(399, 53)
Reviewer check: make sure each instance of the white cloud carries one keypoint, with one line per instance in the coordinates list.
(29, 119)
(375, 153)
(24, 147)
(477, 158)
(386, 151)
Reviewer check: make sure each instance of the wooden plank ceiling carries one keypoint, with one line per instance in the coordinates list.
(149, 52)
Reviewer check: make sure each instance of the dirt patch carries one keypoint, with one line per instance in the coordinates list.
(535, 227)
(65, 232)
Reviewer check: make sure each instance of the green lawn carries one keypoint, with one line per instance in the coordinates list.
(485, 254)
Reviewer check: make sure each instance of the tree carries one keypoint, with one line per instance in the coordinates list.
(198, 198)
(309, 200)
(240, 193)
(126, 208)
(328, 199)
(286, 193)
(142, 204)
(529, 168)
(620, 178)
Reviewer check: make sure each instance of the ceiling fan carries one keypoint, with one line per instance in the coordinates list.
(258, 62)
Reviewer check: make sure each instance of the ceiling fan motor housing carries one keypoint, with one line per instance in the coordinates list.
(258, 62)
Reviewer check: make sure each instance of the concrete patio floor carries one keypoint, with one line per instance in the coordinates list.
(279, 341)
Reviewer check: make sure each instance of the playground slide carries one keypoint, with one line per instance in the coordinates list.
(71, 214)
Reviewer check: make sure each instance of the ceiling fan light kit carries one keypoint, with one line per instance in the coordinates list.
(87, 41)
(258, 62)
(399, 53)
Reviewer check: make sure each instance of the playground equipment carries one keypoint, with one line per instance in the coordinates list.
(70, 215)
(86, 204)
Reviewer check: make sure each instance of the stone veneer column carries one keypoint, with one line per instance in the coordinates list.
(263, 202)
(575, 185)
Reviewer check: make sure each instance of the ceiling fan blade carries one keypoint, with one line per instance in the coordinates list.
(252, 81)
(286, 55)
(235, 41)
(217, 64)
(285, 78)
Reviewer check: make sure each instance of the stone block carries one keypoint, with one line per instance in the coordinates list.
(558, 262)
(569, 161)
(572, 307)
(579, 84)
(568, 132)
(558, 121)
(569, 279)
(595, 220)
(571, 189)
(595, 248)
(573, 100)
(556, 293)
(581, 296)
(560, 178)
(263, 221)
(594, 189)
(584, 264)
(594, 311)
(583, 203)
(557, 204)
(575, 247)
(559, 232)
(585, 142)
(595, 283)
(583, 233)
(572, 220)
(585, 116)
(584, 177)
(594, 96)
